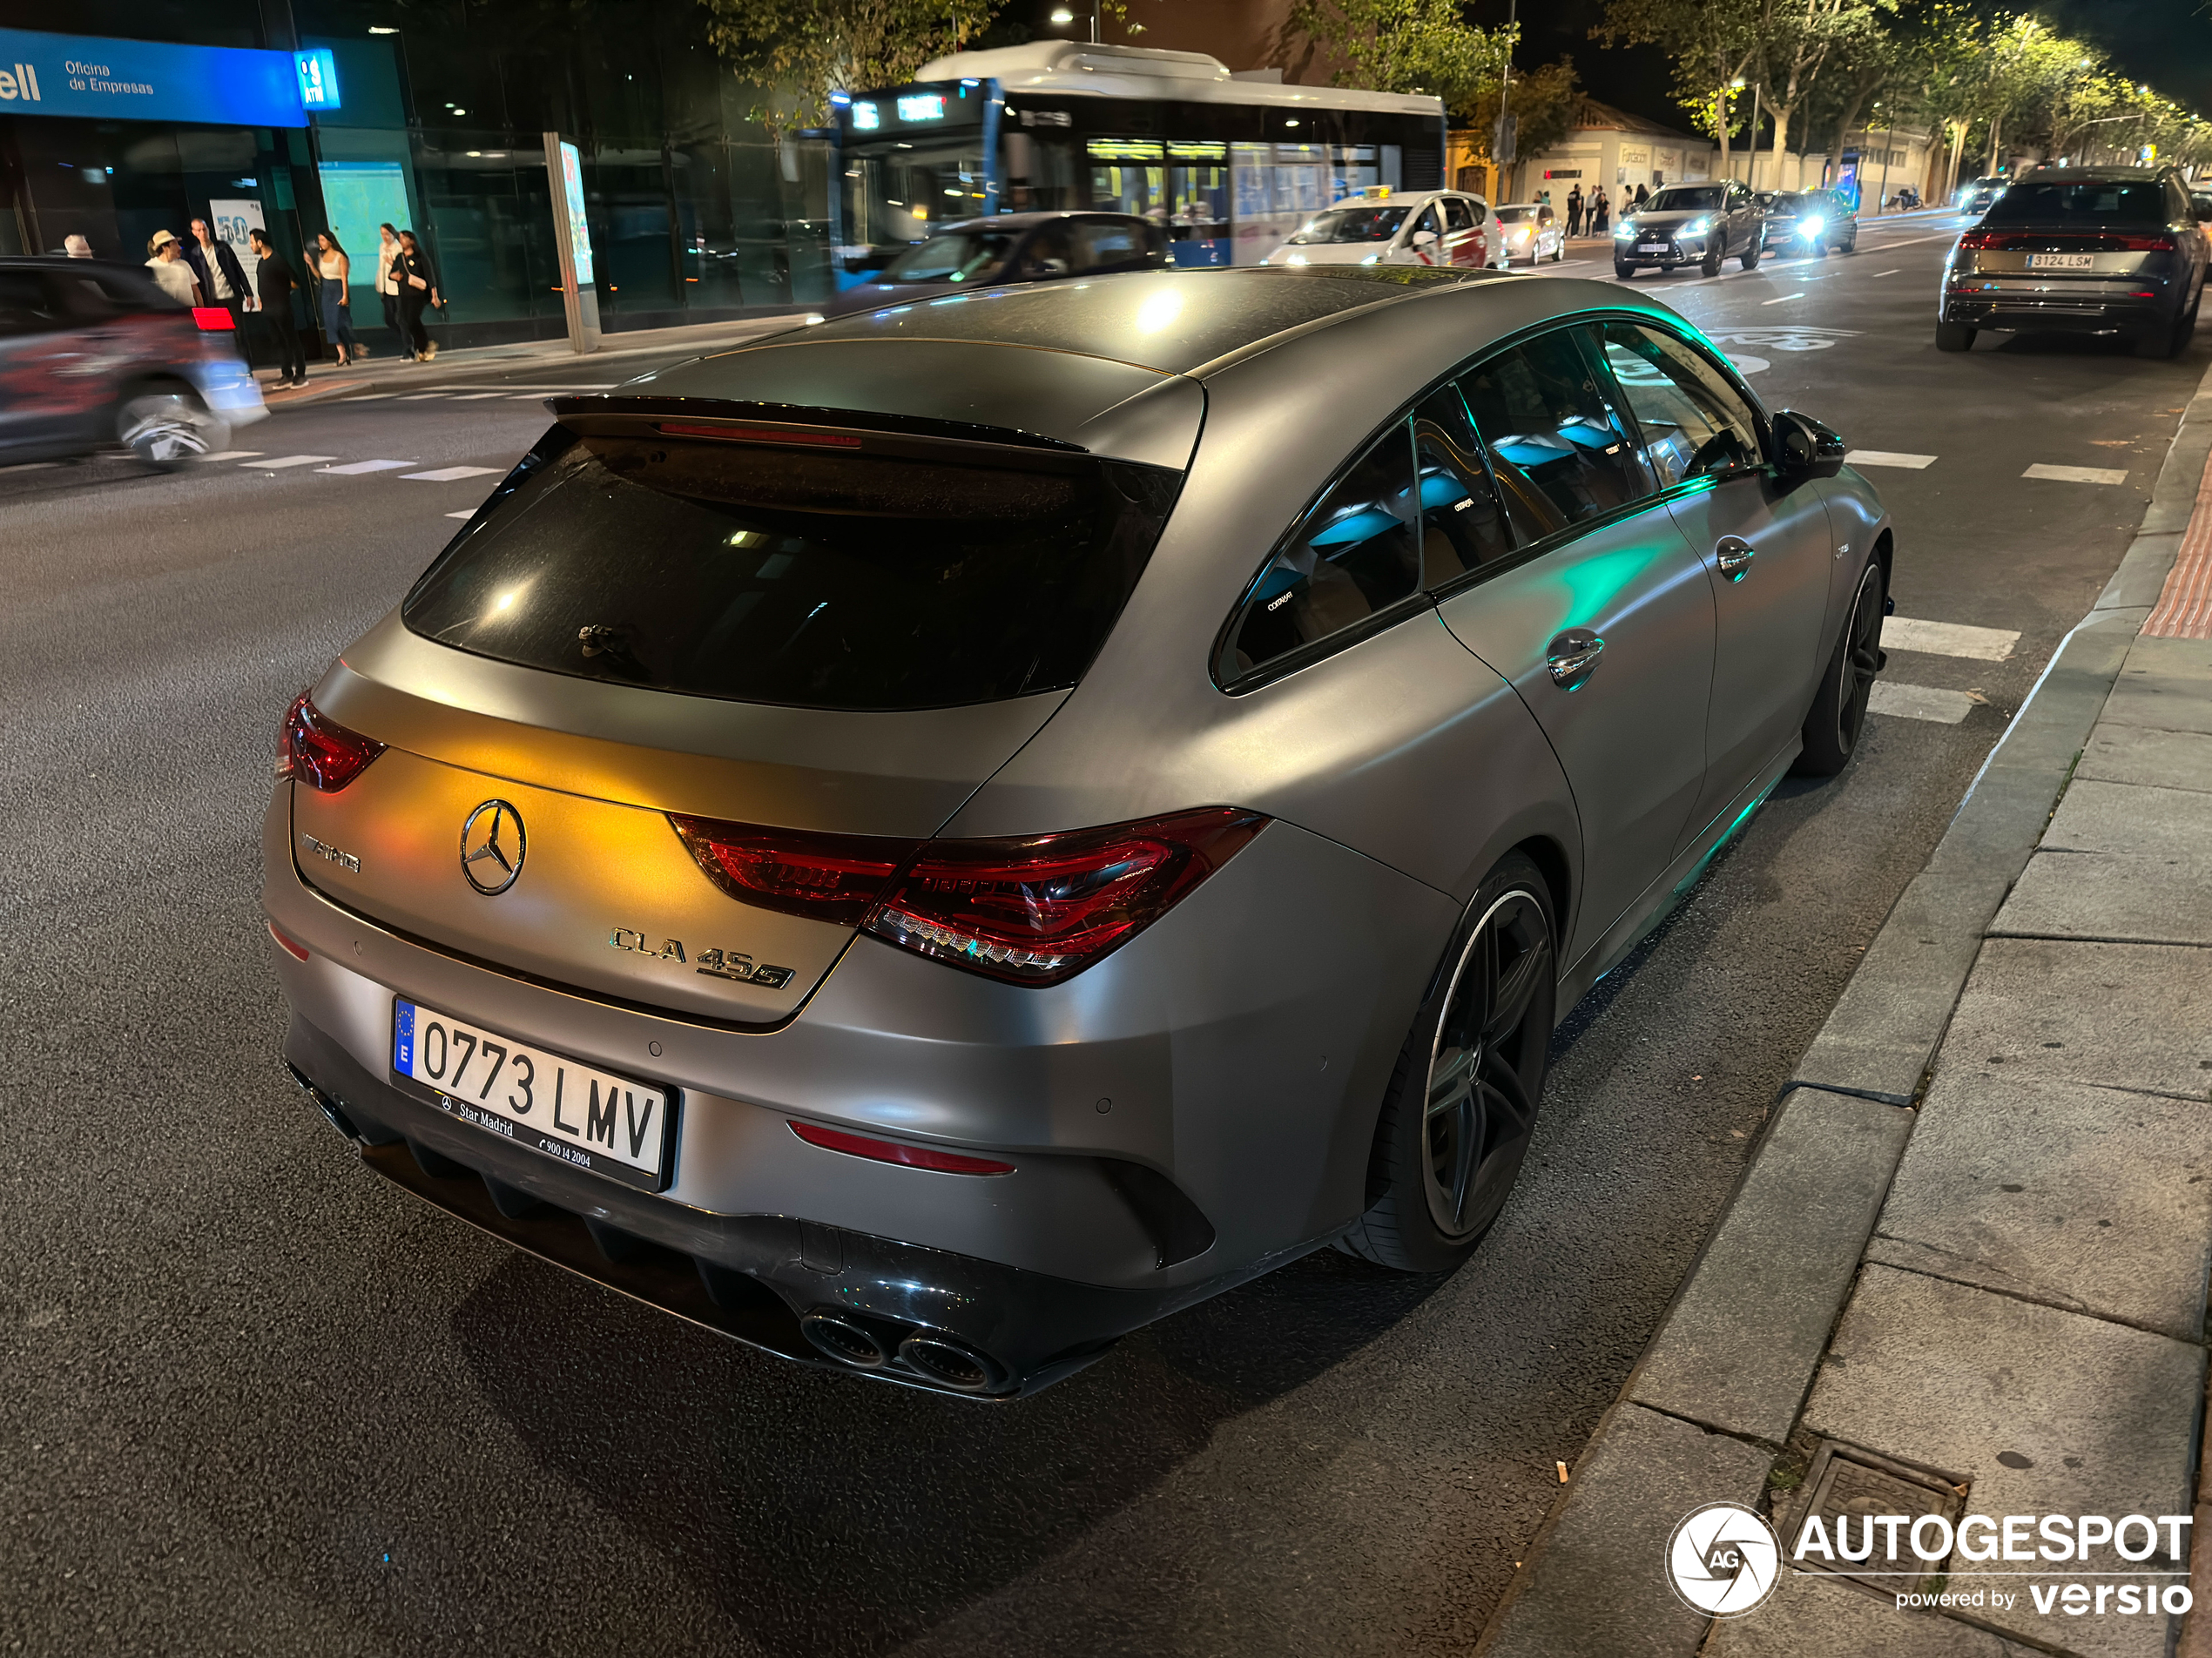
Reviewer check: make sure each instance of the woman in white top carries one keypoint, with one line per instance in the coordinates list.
(170, 270)
(388, 283)
(333, 267)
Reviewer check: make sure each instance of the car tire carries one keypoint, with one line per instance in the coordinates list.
(1625, 273)
(2171, 340)
(1850, 247)
(1462, 1099)
(1715, 255)
(1750, 257)
(168, 429)
(1837, 718)
(1559, 252)
(1954, 336)
(1819, 248)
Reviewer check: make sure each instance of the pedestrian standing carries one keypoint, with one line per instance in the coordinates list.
(274, 278)
(418, 289)
(221, 278)
(388, 283)
(77, 248)
(1601, 211)
(1574, 211)
(170, 270)
(332, 270)
(1643, 195)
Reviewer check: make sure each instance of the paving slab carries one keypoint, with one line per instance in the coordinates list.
(2144, 754)
(2165, 684)
(2134, 1016)
(1950, 1376)
(1812, 1612)
(1787, 1246)
(2085, 1198)
(1884, 1028)
(1598, 1587)
(2120, 862)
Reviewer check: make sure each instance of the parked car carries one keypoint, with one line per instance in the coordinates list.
(928, 842)
(2083, 250)
(1532, 233)
(1700, 224)
(1445, 228)
(1974, 195)
(1812, 222)
(95, 357)
(1009, 248)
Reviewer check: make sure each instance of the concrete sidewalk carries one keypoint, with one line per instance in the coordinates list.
(1966, 1272)
(621, 354)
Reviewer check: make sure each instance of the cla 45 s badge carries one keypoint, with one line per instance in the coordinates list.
(715, 963)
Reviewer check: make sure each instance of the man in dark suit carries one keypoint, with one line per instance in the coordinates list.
(221, 278)
(275, 281)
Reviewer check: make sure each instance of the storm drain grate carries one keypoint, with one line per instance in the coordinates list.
(1844, 1484)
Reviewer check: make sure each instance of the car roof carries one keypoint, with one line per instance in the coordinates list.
(2088, 175)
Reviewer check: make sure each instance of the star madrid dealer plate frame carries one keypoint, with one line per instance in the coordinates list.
(554, 1108)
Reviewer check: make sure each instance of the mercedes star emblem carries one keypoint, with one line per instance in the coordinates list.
(492, 847)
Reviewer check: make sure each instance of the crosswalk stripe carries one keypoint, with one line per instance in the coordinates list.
(416, 397)
(290, 461)
(1919, 701)
(359, 467)
(1888, 458)
(1948, 639)
(1889, 273)
(232, 454)
(1779, 298)
(2075, 474)
(446, 475)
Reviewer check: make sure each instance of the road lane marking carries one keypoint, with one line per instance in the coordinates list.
(469, 513)
(359, 467)
(1948, 639)
(446, 475)
(1779, 298)
(370, 397)
(2075, 474)
(1889, 273)
(471, 397)
(289, 461)
(232, 454)
(1907, 241)
(32, 466)
(1888, 458)
(1919, 702)
(416, 397)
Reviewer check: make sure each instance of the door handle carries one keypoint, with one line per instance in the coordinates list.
(1734, 555)
(1572, 657)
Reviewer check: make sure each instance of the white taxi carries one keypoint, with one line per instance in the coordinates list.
(1379, 227)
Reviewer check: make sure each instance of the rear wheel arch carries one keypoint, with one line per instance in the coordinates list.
(1550, 859)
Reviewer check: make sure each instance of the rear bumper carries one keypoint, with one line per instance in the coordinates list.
(2104, 307)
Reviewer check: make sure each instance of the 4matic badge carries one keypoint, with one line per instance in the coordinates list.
(715, 963)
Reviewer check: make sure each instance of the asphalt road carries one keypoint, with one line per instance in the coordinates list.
(258, 1401)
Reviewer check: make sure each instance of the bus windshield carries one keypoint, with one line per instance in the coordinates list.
(1352, 225)
(962, 255)
(901, 191)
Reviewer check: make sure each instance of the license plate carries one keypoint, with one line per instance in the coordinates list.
(1651, 247)
(2060, 261)
(588, 1117)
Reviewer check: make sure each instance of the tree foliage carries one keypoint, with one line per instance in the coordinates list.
(802, 50)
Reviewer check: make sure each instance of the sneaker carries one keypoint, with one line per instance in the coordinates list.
(430, 351)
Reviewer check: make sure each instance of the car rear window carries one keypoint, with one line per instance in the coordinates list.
(2080, 204)
(804, 576)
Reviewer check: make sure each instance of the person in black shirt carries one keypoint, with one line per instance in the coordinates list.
(273, 282)
(418, 288)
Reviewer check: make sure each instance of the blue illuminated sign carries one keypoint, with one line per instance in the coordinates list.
(152, 80)
(318, 78)
(921, 106)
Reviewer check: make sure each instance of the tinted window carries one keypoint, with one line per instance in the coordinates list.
(1690, 198)
(1428, 221)
(2080, 204)
(1050, 251)
(958, 256)
(781, 575)
(1456, 215)
(1357, 553)
(1693, 422)
(1559, 449)
(26, 306)
(1102, 242)
(1462, 527)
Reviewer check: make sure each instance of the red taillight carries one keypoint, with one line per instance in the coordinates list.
(830, 877)
(856, 1145)
(2160, 243)
(1981, 238)
(213, 319)
(317, 750)
(1040, 910)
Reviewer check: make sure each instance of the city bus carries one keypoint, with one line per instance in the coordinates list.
(1229, 165)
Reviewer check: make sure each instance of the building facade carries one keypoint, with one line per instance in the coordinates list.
(436, 121)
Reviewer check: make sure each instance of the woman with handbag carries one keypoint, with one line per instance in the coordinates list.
(418, 288)
(332, 269)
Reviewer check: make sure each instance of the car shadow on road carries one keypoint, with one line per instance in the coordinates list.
(833, 1514)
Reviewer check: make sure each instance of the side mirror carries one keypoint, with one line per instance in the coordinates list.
(1424, 239)
(1805, 448)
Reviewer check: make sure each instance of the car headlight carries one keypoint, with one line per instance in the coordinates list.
(1697, 228)
(1624, 232)
(1809, 227)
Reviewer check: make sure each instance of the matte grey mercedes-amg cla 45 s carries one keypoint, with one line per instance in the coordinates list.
(930, 842)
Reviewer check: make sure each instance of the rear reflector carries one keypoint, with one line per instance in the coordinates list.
(758, 434)
(855, 1145)
(290, 946)
(213, 319)
(829, 877)
(315, 750)
(1039, 910)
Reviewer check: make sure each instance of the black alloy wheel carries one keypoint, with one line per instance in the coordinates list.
(1716, 252)
(1838, 714)
(1750, 257)
(1462, 1102)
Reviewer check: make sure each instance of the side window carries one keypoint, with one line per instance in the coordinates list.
(25, 305)
(1559, 449)
(1694, 423)
(1102, 244)
(1456, 216)
(1463, 528)
(1049, 252)
(1356, 554)
(1543, 215)
(1428, 221)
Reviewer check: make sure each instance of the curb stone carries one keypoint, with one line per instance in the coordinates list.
(1736, 1352)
